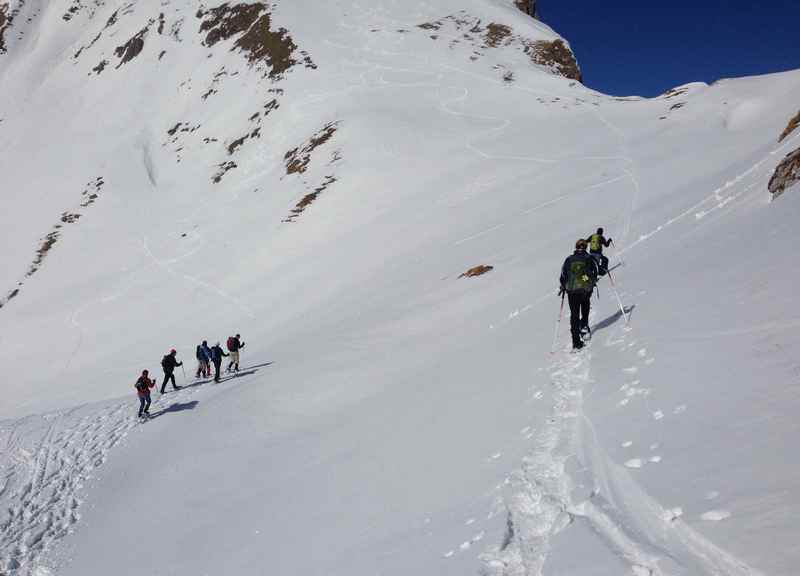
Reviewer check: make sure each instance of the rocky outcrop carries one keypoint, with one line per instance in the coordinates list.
(557, 56)
(554, 55)
(251, 25)
(6, 18)
(530, 7)
(791, 127)
(786, 175)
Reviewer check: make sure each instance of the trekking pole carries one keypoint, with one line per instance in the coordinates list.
(558, 324)
(184, 373)
(619, 300)
(621, 261)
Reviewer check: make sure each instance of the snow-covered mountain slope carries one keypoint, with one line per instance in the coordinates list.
(318, 177)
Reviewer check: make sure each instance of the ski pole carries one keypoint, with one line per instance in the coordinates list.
(619, 300)
(621, 261)
(184, 373)
(558, 324)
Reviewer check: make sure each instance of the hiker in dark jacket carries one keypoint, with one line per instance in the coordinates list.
(169, 363)
(216, 357)
(578, 277)
(234, 345)
(596, 244)
(143, 386)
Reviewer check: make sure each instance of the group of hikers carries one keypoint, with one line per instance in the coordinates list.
(579, 275)
(205, 357)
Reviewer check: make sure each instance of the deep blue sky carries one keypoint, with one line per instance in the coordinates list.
(645, 47)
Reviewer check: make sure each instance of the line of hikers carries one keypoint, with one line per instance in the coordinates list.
(579, 275)
(205, 357)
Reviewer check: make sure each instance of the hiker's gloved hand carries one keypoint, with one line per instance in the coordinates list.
(561, 291)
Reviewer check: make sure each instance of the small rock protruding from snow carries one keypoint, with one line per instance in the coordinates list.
(477, 271)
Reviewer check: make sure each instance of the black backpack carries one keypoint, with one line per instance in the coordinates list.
(166, 362)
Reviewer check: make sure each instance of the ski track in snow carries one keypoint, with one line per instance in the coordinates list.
(759, 173)
(539, 497)
(165, 265)
(46, 462)
(537, 501)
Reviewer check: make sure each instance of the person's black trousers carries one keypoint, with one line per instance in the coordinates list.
(217, 366)
(579, 304)
(602, 262)
(167, 377)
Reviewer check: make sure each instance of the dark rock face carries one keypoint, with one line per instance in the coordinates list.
(528, 6)
(131, 49)
(786, 175)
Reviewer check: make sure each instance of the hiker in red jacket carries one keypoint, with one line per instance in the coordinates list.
(143, 386)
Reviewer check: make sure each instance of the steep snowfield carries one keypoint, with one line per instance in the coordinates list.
(317, 176)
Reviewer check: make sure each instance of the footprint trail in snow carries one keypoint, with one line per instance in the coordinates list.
(542, 498)
(46, 460)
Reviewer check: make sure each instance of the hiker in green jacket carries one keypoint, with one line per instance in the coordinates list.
(596, 244)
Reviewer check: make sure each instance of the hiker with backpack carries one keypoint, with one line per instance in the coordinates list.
(216, 357)
(169, 363)
(234, 345)
(207, 351)
(578, 278)
(203, 354)
(143, 386)
(596, 244)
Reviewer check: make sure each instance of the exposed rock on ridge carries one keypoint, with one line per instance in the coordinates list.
(256, 38)
(529, 7)
(461, 27)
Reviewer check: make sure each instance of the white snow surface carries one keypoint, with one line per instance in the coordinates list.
(390, 417)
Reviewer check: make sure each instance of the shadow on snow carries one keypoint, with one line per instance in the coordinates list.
(176, 407)
(613, 318)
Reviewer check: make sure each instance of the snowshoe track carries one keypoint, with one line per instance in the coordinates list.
(48, 458)
(539, 499)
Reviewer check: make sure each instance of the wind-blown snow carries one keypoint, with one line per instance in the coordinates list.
(391, 416)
